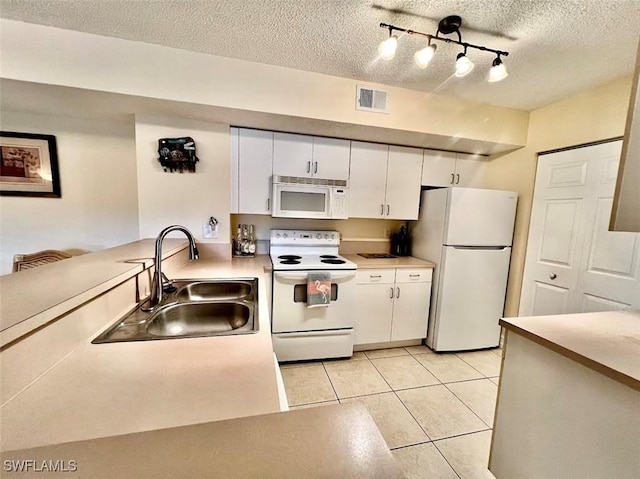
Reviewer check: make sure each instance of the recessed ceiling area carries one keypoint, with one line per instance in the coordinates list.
(556, 49)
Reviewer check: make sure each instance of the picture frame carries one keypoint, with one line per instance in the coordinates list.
(29, 165)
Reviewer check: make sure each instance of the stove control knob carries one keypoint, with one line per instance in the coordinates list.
(277, 235)
(285, 235)
(318, 235)
(333, 236)
(326, 236)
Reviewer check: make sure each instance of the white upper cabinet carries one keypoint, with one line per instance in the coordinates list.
(403, 183)
(308, 156)
(252, 158)
(384, 181)
(368, 179)
(444, 168)
(292, 154)
(331, 158)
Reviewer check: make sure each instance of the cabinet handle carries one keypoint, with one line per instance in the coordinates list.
(398, 293)
(315, 167)
(371, 276)
(553, 276)
(268, 204)
(391, 295)
(382, 210)
(457, 178)
(414, 276)
(453, 177)
(308, 167)
(388, 209)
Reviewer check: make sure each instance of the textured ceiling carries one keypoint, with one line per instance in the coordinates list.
(556, 47)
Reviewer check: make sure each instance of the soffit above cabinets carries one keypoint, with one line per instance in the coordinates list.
(54, 100)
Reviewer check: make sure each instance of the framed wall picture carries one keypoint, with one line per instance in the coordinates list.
(28, 165)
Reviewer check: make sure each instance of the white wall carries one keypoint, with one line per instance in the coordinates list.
(98, 208)
(188, 199)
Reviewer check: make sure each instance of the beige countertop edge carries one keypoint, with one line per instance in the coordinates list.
(389, 263)
(590, 351)
(124, 267)
(329, 441)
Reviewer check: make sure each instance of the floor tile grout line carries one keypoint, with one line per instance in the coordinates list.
(330, 382)
(471, 365)
(411, 445)
(412, 387)
(467, 406)
(434, 442)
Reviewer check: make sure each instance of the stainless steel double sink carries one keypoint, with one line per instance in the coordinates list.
(192, 308)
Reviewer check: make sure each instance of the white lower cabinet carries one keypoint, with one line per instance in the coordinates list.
(392, 305)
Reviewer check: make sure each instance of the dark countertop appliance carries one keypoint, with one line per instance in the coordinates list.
(400, 242)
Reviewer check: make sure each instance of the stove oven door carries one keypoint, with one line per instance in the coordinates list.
(290, 312)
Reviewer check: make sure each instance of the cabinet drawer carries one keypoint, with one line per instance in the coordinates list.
(421, 275)
(373, 276)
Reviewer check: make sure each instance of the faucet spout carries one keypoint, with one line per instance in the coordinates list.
(157, 291)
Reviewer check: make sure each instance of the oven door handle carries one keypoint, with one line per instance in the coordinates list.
(302, 275)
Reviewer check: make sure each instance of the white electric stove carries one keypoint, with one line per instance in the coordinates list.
(299, 332)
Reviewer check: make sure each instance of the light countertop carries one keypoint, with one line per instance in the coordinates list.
(102, 390)
(399, 262)
(64, 285)
(607, 342)
(339, 441)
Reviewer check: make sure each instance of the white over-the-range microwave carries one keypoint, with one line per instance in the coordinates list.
(315, 198)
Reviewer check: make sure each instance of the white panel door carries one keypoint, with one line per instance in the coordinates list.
(255, 155)
(555, 234)
(438, 168)
(610, 269)
(292, 154)
(367, 180)
(477, 217)
(331, 158)
(574, 264)
(403, 183)
(471, 296)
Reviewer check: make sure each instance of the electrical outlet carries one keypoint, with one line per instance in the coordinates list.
(387, 233)
(209, 232)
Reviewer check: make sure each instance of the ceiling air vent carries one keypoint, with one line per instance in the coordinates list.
(368, 99)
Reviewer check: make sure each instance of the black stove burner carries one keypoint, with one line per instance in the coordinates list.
(328, 256)
(289, 261)
(289, 256)
(332, 261)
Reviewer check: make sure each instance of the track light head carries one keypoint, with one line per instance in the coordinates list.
(387, 48)
(463, 65)
(424, 56)
(498, 71)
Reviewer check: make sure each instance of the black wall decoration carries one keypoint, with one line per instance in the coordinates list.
(177, 154)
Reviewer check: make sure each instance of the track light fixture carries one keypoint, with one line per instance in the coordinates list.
(446, 26)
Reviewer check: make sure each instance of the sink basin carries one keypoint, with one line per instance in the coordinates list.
(193, 308)
(212, 290)
(200, 319)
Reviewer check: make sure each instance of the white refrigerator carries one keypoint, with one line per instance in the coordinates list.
(467, 233)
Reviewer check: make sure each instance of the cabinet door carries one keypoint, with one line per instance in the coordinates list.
(470, 170)
(255, 155)
(438, 168)
(374, 305)
(403, 183)
(292, 154)
(331, 158)
(367, 180)
(410, 311)
(233, 133)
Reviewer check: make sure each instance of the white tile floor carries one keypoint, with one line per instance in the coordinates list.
(435, 411)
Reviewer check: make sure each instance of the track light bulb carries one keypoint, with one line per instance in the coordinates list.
(498, 71)
(424, 56)
(463, 65)
(387, 48)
